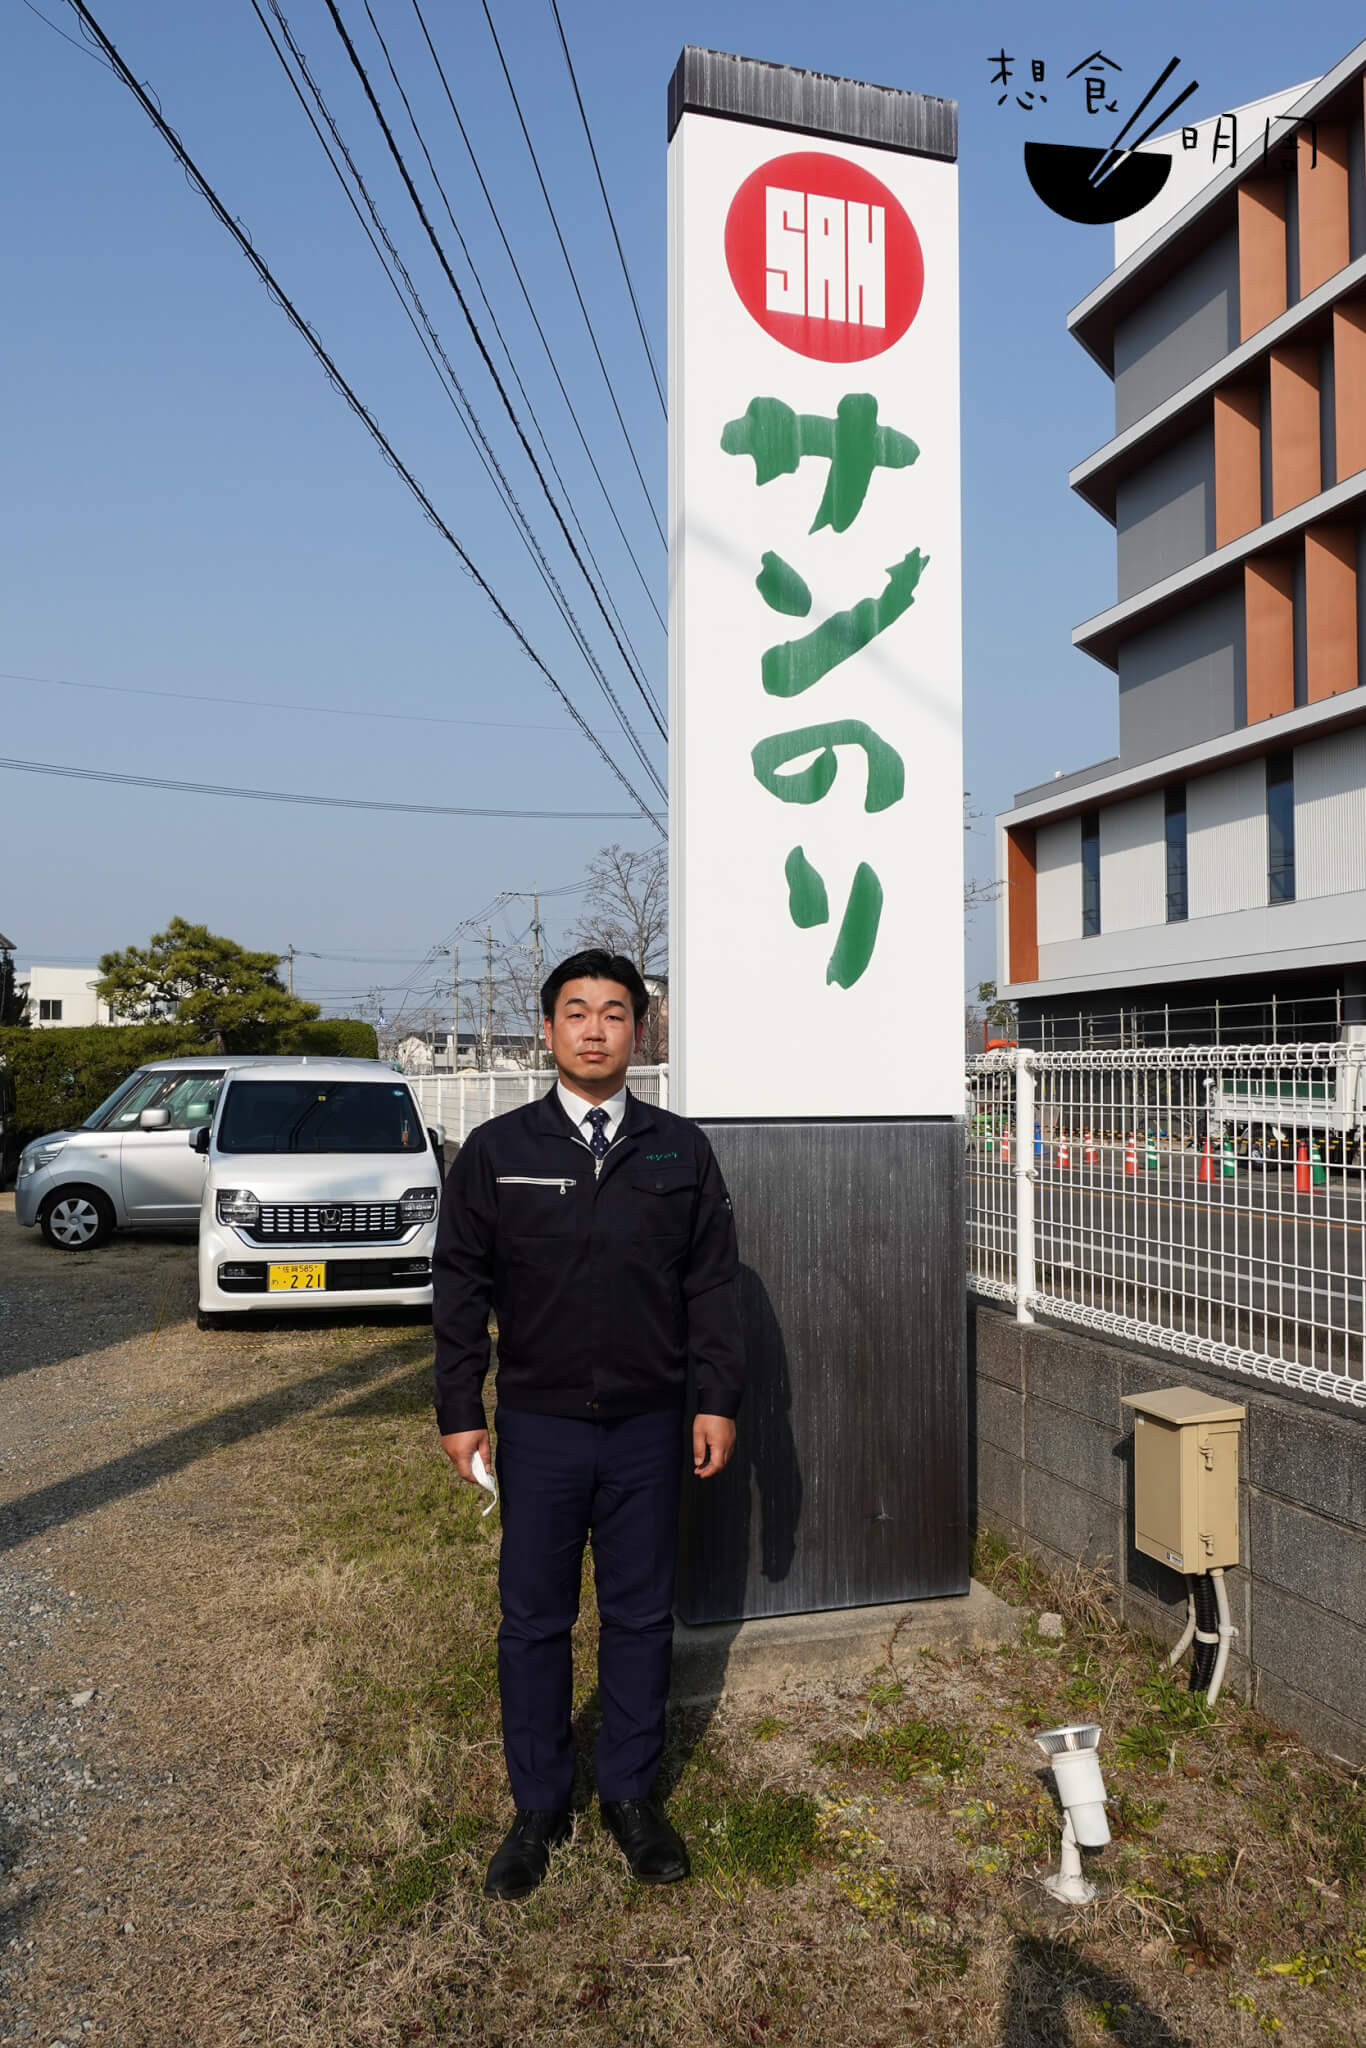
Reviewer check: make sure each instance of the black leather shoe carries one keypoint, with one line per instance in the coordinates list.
(523, 1856)
(654, 1851)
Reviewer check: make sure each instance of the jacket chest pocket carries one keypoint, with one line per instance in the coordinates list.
(533, 1206)
(662, 1203)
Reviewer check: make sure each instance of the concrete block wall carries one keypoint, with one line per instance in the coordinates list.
(1052, 1463)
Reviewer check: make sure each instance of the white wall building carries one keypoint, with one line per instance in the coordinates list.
(63, 996)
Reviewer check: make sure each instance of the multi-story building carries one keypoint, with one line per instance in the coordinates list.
(1211, 877)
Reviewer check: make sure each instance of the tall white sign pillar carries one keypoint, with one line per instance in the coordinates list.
(815, 610)
(816, 810)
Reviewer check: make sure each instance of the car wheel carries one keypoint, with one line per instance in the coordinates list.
(77, 1220)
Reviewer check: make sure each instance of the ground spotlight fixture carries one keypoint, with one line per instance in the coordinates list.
(1071, 1753)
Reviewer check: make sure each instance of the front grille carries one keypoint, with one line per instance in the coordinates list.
(327, 1223)
(342, 1276)
(346, 1274)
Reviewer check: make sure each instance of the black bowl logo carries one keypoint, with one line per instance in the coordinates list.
(1064, 176)
(1100, 186)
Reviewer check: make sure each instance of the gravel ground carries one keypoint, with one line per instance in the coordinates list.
(75, 1792)
(136, 1528)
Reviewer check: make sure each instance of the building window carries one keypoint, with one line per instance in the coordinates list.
(1090, 874)
(1280, 827)
(1177, 900)
(49, 1009)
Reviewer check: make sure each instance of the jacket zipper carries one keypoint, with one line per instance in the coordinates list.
(528, 1180)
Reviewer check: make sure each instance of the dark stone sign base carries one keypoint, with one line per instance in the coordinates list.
(849, 1485)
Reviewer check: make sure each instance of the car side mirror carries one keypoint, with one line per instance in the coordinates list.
(199, 1140)
(155, 1120)
(437, 1134)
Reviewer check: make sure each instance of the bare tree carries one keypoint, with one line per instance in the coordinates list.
(626, 911)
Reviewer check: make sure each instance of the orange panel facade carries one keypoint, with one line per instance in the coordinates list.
(1268, 586)
(1261, 253)
(1349, 385)
(1330, 610)
(1022, 905)
(1325, 246)
(1296, 470)
(1237, 462)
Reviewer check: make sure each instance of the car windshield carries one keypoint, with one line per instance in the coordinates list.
(187, 1097)
(97, 1117)
(320, 1116)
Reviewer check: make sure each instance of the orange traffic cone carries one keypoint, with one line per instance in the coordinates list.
(1064, 1156)
(1206, 1173)
(1005, 1148)
(1302, 1180)
(1090, 1156)
(1130, 1155)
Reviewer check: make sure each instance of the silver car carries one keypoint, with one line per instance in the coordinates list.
(130, 1164)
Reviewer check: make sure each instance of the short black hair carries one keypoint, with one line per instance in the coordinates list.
(596, 964)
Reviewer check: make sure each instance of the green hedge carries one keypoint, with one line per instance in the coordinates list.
(333, 1038)
(61, 1074)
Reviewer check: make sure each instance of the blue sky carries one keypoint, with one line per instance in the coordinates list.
(189, 509)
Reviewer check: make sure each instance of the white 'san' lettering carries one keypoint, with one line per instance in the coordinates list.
(826, 259)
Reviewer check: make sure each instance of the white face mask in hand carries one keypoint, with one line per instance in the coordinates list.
(484, 1478)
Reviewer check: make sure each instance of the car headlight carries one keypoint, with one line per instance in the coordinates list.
(238, 1205)
(418, 1205)
(39, 1156)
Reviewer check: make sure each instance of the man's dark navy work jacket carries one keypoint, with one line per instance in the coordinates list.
(607, 1286)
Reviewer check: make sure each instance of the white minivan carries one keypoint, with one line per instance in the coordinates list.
(321, 1191)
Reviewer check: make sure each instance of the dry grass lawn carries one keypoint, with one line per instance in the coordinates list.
(866, 1859)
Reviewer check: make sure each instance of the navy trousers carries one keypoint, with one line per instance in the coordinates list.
(558, 1481)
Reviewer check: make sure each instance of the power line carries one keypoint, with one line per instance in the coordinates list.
(144, 98)
(478, 339)
(466, 925)
(284, 796)
(515, 374)
(530, 306)
(611, 217)
(554, 221)
(455, 392)
(276, 704)
(91, 54)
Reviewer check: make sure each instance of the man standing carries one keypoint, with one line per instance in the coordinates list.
(600, 1232)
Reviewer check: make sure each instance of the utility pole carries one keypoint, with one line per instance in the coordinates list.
(290, 951)
(453, 955)
(488, 996)
(375, 1001)
(537, 966)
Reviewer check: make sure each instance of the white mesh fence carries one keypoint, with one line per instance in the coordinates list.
(461, 1102)
(1206, 1200)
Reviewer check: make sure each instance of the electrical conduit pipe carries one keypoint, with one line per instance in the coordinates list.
(1226, 1634)
(1209, 1627)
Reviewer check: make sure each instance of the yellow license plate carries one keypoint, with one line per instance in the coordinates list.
(285, 1279)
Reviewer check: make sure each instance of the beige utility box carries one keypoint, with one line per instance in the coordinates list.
(1186, 1478)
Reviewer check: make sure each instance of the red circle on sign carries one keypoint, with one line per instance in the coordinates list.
(812, 239)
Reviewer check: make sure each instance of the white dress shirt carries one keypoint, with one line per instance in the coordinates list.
(576, 1109)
